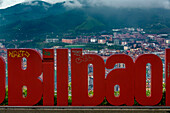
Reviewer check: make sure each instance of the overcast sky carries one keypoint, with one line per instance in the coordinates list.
(110, 3)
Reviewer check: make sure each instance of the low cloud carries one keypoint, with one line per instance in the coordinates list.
(73, 4)
(98, 3)
(53, 1)
(8, 3)
(131, 3)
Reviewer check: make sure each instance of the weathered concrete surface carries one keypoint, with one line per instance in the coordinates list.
(16, 110)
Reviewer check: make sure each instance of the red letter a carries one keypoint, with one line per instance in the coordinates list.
(123, 77)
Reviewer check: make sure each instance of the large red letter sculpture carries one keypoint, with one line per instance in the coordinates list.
(62, 77)
(167, 63)
(156, 80)
(2, 80)
(19, 77)
(48, 77)
(79, 72)
(123, 77)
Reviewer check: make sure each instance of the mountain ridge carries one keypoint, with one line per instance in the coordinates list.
(25, 12)
(36, 21)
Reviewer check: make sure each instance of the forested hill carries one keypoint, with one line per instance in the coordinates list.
(26, 21)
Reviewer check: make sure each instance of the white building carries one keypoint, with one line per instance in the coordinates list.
(93, 40)
(52, 40)
(167, 41)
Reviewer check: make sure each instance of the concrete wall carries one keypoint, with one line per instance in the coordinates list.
(82, 110)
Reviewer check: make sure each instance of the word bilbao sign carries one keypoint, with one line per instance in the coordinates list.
(131, 79)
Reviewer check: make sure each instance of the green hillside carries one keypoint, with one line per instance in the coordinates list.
(90, 24)
(57, 19)
(27, 12)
